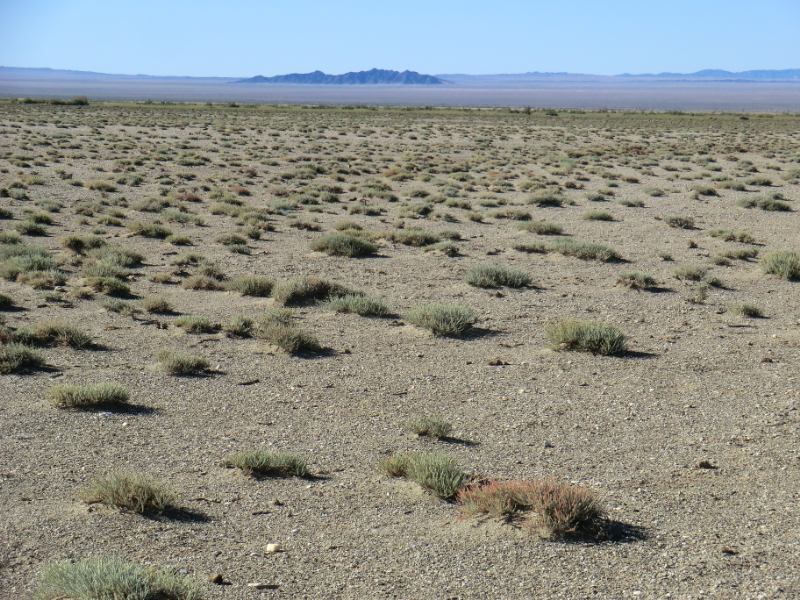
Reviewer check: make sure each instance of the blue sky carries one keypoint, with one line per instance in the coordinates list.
(244, 38)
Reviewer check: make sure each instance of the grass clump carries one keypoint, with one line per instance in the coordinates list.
(120, 306)
(586, 250)
(430, 426)
(541, 227)
(745, 309)
(102, 394)
(59, 333)
(435, 471)
(16, 356)
(110, 578)
(129, 491)
(202, 282)
(442, 319)
(263, 463)
(156, 305)
(251, 285)
(6, 302)
(487, 276)
(81, 243)
(193, 324)
(691, 272)
(280, 329)
(366, 306)
(303, 290)
(679, 221)
(783, 263)
(764, 203)
(181, 363)
(545, 200)
(150, 230)
(587, 336)
(240, 325)
(344, 244)
(637, 280)
(551, 508)
(597, 215)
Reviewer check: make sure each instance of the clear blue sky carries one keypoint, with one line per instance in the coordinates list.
(245, 37)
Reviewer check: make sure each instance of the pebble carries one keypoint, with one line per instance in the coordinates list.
(273, 547)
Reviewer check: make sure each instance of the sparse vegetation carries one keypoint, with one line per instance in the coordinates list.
(783, 263)
(181, 363)
(430, 426)
(442, 319)
(587, 336)
(637, 280)
(133, 492)
(435, 471)
(251, 285)
(488, 276)
(366, 306)
(265, 463)
(344, 244)
(102, 394)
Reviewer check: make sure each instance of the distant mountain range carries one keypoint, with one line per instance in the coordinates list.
(718, 74)
(371, 77)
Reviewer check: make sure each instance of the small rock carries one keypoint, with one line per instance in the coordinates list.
(277, 502)
(262, 586)
(705, 464)
(273, 547)
(726, 550)
(216, 578)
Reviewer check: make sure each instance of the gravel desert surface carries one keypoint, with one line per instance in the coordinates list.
(689, 438)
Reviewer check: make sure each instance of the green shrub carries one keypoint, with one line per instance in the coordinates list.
(541, 227)
(111, 286)
(280, 329)
(764, 203)
(251, 285)
(344, 244)
(52, 333)
(193, 324)
(430, 426)
(129, 491)
(758, 180)
(179, 240)
(654, 192)
(230, 239)
(631, 203)
(366, 306)
(30, 228)
(101, 394)
(679, 221)
(442, 319)
(745, 309)
(704, 190)
(586, 250)
(264, 463)
(597, 215)
(41, 217)
(119, 306)
(109, 578)
(412, 237)
(487, 276)
(553, 509)
(101, 185)
(783, 263)
(240, 325)
(119, 257)
(181, 363)
(637, 280)
(202, 282)
(16, 356)
(536, 247)
(434, 471)
(149, 230)
(80, 243)
(545, 200)
(595, 197)
(156, 305)
(587, 336)
(301, 290)
(691, 272)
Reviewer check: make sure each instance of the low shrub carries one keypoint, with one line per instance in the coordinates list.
(545, 200)
(344, 244)
(240, 325)
(280, 329)
(691, 272)
(430, 426)
(110, 578)
(302, 290)
(59, 333)
(156, 305)
(251, 285)
(230, 239)
(16, 356)
(442, 319)
(181, 363)
(193, 324)
(541, 227)
(487, 276)
(553, 509)
(434, 471)
(264, 463)
(90, 396)
(129, 491)
(149, 230)
(637, 280)
(679, 221)
(202, 282)
(120, 306)
(745, 309)
(764, 203)
(81, 243)
(783, 263)
(366, 306)
(587, 336)
(631, 203)
(597, 215)
(412, 237)
(586, 250)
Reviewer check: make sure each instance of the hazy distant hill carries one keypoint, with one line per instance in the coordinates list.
(719, 74)
(371, 77)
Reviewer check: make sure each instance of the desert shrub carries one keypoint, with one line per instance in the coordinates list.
(741, 253)
(120, 257)
(586, 250)
(90, 396)
(344, 244)
(496, 276)
(81, 243)
(302, 290)
(764, 203)
(6, 302)
(597, 215)
(149, 230)
(745, 309)
(442, 319)
(631, 203)
(251, 285)
(280, 329)
(434, 471)
(179, 240)
(156, 305)
(193, 324)
(691, 272)
(230, 239)
(758, 180)
(181, 363)
(305, 225)
(680, 222)
(587, 336)
(637, 280)
(595, 197)
(720, 260)
(704, 190)
(553, 509)
(264, 463)
(727, 235)
(108, 220)
(41, 217)
(210, 269)
(736, 186)
(515, 214)
(111, 286)
(103, 269)
(10, 237)
(129, 491)
(347, 226)
(30, 228)
(101, 185)
(119, 306)
(446, 248)
(202, 282)
(240, 325)
(654, 191)
(16, 356)
(109, 578)
(6, 213)
(699, 293)
(541, 227)
(783, 263)
(473, 216)
(430, 426)
(59, 333)
(536, 247)
(366, 306)
(545, 200)
(412, 237)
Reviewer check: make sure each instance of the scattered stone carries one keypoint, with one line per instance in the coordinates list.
(217, 579)
(731, 551)
(273, 547)
(706, 464)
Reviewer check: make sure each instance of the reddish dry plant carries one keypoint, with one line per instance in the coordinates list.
(552, 509)
(188, 197)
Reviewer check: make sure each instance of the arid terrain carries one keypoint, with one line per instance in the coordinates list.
(689, 438)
